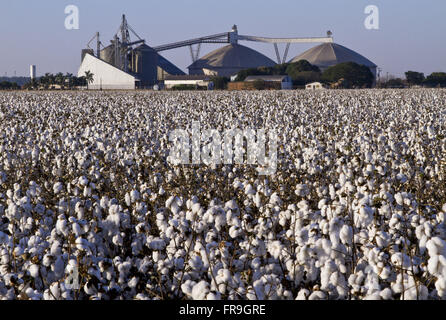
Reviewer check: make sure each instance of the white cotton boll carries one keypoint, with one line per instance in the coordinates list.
(62, 226)
(57, 188)
(317, 295)
(275, 249)
(82, 244)
(117, 240)
(200, 290)
(386, 294)
(77, 230)
(234, 232)
(249, 190)
(213, 296)
(303, 294)
(440, 285)
(346, 234)
(302, 190)
(433, 265)
(156, 244)
(196, 208)
(399, 199)
(258, 200)
(34, 270)
(134, 195)
(187, 286)
(87, 191)
(83, 181)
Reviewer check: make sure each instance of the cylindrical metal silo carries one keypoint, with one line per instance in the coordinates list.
(108, 54)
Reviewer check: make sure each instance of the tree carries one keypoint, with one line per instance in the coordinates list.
(69, 79)
(60, 79)
(303, 72)
(305, 77)
(220, 83)
(394, 83)
(356, 75)
(243, 74)
(300, 66)
(88, 77)
(436, 79)
(414, 78)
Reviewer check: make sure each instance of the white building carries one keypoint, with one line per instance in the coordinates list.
(32, 71)
(314, 86)
(285, 81)
(105, 75)
(194, 80)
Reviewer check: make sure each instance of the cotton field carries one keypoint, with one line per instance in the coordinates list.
(91, 208)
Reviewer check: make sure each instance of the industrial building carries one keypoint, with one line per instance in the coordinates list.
(330, 54)
(131, 63)
(284, 82)
(188, 80)
(125, 64)
(229, 60)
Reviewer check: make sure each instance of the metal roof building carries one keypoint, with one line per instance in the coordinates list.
(229, 60)
(105, 75)
(330, 54)
(284, 80)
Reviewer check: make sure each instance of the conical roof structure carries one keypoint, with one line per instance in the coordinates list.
(229, 60)
(330, 54)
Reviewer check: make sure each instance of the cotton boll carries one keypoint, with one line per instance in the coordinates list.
(200, 290)
(34, 270)
(346, 234)
(275, 248)
(57, 188)
(83, 181)
(317, 295)
(399, 199)
(386, 294)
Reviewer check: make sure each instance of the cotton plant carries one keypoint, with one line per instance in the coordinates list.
(355, 210)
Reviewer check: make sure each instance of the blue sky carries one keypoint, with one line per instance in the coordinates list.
(411, 34)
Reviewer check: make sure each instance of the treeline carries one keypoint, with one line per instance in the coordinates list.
(59, 80)
(413, 78)
(302, 72)
(19, 80)
(6, 85)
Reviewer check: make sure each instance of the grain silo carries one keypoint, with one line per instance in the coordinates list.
(330, 54)
(229, 60)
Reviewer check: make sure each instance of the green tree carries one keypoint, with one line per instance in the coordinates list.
(395, 83)
(305, 77)
(300, 66)
(436, 79)
(60, 79)
(414, 78)
(69, 79)
(89, 77)
(220, 83)
(303, 72)
(357, 76)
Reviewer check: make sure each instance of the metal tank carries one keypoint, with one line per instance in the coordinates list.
(108, 54)
(143, 61)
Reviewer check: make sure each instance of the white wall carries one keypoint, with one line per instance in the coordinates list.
(170, 83)
(105, 75)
